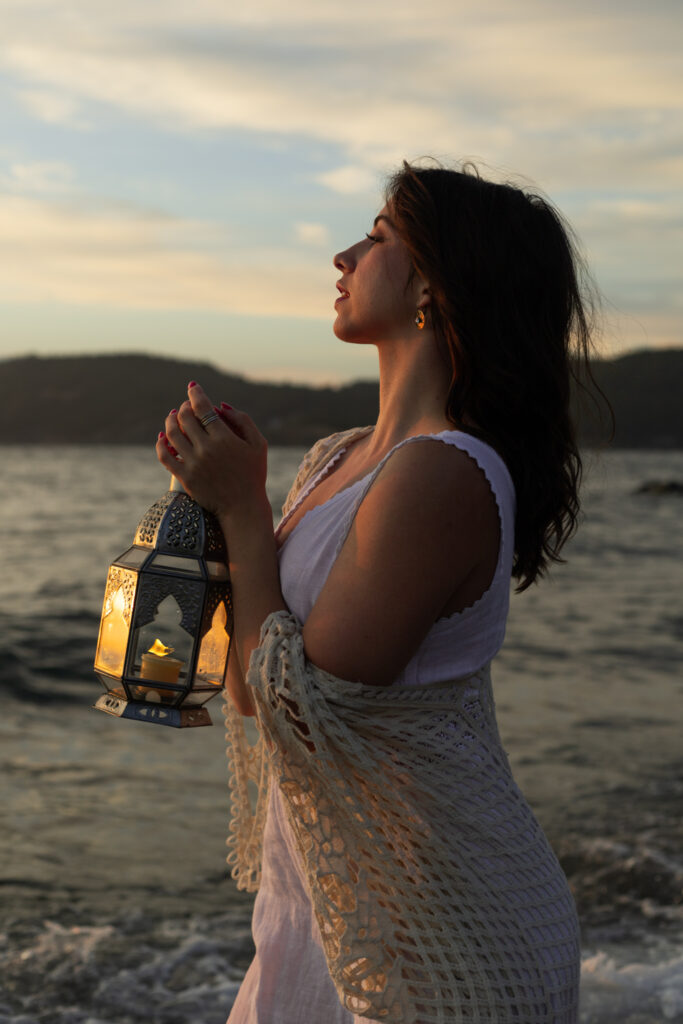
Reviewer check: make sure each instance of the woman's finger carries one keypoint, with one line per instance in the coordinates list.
(162, 437)
(190, 424)
(177, 435)
(199, 401)
(166, 455)
(208, 416)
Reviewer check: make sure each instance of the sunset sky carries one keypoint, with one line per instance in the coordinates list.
(175, 177)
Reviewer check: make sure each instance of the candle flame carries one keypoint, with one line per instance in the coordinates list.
(161, 650)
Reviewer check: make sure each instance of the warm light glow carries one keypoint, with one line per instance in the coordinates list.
(111, 650)
(214, 649)
(161, 650)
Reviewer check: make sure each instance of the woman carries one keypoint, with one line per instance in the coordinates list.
(401, 874)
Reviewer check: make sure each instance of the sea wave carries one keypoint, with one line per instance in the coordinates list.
(178, 970)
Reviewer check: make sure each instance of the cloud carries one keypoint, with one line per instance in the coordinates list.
(635, 245)
(39, 176)
(349, 180)
(584, 98)
(51, 107)
(531, 85)
(312, 234)
(134, 259)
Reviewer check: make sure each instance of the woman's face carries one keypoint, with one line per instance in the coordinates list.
(376, 301)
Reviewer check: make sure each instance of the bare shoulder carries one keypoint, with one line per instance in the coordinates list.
(423, 543)
(435, 498)
(428, 470)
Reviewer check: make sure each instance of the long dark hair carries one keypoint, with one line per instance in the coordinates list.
(512, 304)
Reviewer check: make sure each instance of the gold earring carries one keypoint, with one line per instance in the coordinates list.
(420, 319)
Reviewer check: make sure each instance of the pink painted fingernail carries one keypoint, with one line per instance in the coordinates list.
(173, 412)
(224, 405)
(160, 435)
(192, 384)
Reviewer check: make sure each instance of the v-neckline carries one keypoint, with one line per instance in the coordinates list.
(321, 475)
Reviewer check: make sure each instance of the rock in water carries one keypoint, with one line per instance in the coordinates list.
(660, 487)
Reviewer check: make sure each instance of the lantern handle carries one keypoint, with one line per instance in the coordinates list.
(176, 485)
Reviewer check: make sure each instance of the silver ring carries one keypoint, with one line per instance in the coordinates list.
(209, 418)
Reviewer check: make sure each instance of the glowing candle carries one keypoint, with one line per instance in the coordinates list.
(157, 666)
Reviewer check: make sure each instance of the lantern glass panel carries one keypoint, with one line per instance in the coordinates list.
(162, 646)
(213, 650)
(198, 697)
(134, 557)
(177, 564)
(154, 693)
(116, 619)
(113, 686)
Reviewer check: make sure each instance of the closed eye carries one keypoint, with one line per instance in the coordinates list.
(373, 238)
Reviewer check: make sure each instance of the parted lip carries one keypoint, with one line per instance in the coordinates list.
(342, 289)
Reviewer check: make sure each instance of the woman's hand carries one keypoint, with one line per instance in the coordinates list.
(222, 465)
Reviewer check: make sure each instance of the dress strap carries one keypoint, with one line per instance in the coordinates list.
(454, 438)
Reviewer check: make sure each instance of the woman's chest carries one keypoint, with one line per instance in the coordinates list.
(332, 482)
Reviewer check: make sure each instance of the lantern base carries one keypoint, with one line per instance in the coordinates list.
(159, 714)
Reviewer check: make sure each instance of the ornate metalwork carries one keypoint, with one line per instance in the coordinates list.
(182, 529)
(218, 593)
(178, 717)
(120, 579)
(188, 594)
(176, 524)
(146, 534)
(215, 541)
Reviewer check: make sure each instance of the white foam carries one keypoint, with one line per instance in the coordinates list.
(640, 993)
(184, 970)
(181, 971)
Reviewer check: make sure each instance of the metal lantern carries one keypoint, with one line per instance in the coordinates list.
(167, 617)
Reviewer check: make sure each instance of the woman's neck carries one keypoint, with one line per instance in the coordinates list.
(414, 382)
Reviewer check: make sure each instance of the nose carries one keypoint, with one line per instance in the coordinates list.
(344, 261)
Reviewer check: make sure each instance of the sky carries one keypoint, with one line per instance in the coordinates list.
(175, 177)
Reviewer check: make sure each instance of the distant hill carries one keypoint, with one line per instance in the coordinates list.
(123, 399)
(645, 390)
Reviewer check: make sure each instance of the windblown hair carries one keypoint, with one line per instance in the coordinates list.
(512, 306)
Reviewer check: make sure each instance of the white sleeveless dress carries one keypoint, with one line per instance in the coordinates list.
(288, 981)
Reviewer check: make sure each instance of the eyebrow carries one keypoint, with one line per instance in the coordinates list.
(382, 216)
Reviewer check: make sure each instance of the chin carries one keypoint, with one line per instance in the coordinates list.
(343, 335)
(347, 334)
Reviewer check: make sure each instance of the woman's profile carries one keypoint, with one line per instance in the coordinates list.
(401, 874)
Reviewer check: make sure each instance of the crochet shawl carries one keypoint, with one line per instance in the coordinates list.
(418, 848)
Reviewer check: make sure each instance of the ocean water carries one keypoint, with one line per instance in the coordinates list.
(115, 903)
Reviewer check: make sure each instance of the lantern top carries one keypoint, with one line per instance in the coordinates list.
(177, 525)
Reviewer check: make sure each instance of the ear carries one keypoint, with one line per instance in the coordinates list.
(423, 295)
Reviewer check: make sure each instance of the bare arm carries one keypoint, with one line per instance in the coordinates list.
(424, 539)
(236, 687)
